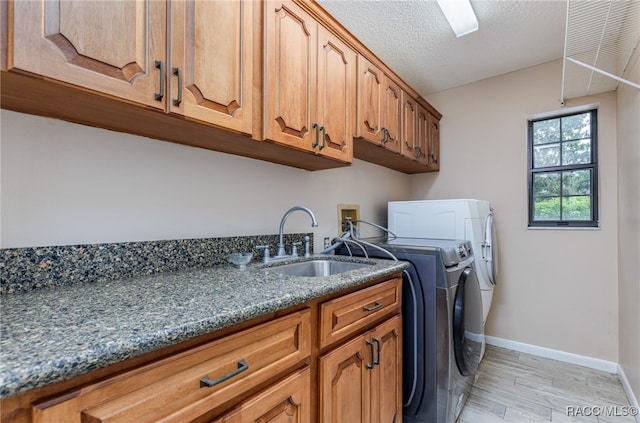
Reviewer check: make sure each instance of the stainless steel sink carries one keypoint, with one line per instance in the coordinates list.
(316, 268)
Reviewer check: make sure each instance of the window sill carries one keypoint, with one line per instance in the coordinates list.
(565, 228)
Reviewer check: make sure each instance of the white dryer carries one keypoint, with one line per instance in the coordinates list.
(471, 220)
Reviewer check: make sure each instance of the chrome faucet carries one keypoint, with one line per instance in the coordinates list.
(281, 251)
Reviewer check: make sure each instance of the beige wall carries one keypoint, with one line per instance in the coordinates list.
(558, 288)
(68, 184)
(629, 225)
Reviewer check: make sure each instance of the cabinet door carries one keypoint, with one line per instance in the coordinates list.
(392, 115)
(109, 47)
(409, 139)
(290, 68)
(433, 141)
(386, 383)
(286, 401)
(211, 62)
(336, 96)
(371, 83)
(422, 141)
(344, 375)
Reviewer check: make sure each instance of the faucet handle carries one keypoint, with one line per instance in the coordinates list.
(306, 247)
(267, 254)
(294, 248)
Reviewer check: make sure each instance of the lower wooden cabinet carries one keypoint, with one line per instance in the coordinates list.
(360, 381)
(335, 359)
(344, 316)
(187, 386)
(386, 384)
(287, 401)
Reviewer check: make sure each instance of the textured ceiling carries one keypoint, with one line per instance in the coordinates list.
(415, 40)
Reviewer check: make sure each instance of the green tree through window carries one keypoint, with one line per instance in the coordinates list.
(563, 170)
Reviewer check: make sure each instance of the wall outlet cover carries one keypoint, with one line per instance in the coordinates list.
(347, 211)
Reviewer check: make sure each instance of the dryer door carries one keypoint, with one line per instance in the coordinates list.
(490, 249)
(468, 331)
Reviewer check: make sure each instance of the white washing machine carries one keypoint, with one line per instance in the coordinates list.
(471, 220)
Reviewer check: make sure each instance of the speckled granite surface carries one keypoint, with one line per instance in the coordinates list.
(53, 335)
(25, 269)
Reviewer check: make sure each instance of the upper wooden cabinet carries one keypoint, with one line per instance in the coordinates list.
(392, 115)
(427, 149)
(118, 48)
(410, 117)
(379, 107)
(211, 62)
(222, 75)
(336, 95)
(420, 134)
(433, 142)
(393, 119)
(309, 84)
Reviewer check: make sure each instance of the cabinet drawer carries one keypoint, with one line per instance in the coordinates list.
(177, 389)
(342, 316)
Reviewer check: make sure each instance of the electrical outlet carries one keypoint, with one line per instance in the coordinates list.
(327, 242)
(347, 211)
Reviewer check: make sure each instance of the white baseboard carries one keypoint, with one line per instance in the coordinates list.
(580, 360)
(633, 401)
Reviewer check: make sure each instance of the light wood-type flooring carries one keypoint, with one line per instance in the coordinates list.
(516, 387)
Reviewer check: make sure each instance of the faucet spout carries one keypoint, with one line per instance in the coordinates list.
(314, 223)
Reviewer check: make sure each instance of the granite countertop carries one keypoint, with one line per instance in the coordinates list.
(51, 335)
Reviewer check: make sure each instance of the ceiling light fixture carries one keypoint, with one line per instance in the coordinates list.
(460, 15)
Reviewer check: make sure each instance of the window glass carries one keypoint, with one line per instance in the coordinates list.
(562, 171)
(546, 131)
(576, 208)
(547, 184)
(547, 208)
(546, 155)
(577, 182)
(576, 127)
(574, 152)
